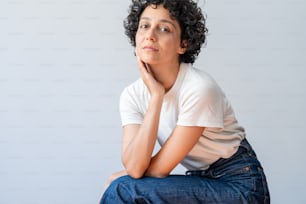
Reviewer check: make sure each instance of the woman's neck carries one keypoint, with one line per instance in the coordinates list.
(166, 74)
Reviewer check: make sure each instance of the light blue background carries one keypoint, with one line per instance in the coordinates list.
(64, 63)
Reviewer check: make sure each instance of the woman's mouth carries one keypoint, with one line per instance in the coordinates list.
(150, 49)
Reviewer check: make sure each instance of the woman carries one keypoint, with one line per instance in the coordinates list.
(184, 110)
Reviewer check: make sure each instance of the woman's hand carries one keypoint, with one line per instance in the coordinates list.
(113, 177)
(154, 87)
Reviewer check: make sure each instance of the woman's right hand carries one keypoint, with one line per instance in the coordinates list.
(154, 86)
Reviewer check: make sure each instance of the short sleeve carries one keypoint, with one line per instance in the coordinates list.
(202, 106)
(129, 109)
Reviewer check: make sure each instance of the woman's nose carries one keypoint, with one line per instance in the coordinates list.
(150, 35)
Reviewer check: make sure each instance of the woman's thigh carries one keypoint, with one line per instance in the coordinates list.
(174, 189)
(239, 179)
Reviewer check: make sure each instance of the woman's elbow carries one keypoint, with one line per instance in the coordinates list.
(139, 173)
(135, 171)
(156, 174)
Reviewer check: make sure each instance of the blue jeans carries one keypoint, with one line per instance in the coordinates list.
(239, 179)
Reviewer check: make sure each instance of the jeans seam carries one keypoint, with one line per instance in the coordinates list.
(264, 185)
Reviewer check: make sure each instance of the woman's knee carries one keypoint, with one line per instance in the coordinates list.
(118, 191)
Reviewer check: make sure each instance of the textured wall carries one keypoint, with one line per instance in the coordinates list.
(64, 63)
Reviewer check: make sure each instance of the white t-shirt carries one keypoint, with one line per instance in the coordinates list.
(195, 99)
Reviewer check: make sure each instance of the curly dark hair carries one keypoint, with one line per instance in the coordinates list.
(188, 15)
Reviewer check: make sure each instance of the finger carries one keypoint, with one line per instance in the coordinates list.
(148, 68)
(144, 68)
(140, 64)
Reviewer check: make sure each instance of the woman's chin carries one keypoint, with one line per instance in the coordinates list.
(149, 59)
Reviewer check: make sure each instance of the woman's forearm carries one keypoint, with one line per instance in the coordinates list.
(137, 153)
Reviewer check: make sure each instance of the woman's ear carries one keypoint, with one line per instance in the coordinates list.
(183, 47)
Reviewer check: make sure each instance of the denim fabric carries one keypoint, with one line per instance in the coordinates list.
(239, 179)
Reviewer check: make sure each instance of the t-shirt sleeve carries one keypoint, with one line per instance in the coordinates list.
(202, 106)
(129, 109)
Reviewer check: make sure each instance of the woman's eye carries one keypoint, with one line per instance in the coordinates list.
(143, 26)
(164, 29)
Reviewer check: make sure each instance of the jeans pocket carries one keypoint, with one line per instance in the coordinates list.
(228, 174)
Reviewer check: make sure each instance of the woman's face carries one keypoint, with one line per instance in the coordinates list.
(158, 38)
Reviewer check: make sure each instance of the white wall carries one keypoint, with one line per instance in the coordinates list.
(64, 63)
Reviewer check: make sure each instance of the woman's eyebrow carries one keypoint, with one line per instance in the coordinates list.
(161, 20)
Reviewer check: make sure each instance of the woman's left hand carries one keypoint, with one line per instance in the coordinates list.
(113, 177)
